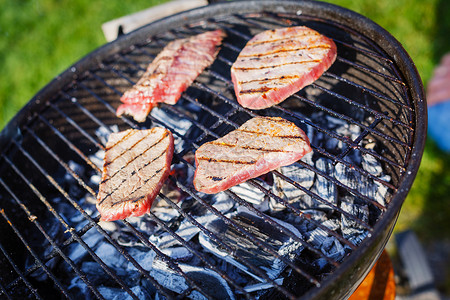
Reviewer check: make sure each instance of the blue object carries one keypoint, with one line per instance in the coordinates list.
(439, 124)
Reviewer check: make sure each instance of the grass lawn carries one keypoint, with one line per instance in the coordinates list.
(41, 38)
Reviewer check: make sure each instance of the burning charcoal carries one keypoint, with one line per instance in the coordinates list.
(103, 132)
(110, 256)
(186, 231)
(380, 191)
(97, 158)
(251, 194)
(76, 251)
(144, 224)
(244, 247)
(366, 186)
(143, 258)
(332, 248)
(119, 294)
(178, 253)
(97, 275)
(288, 191)
(262, 286)
(371, 165)
(327, 244)
(318, 236)
(210, 282)
(351, 230)
(126, 238)
(179, 125)
(322, 187)
(55, 230)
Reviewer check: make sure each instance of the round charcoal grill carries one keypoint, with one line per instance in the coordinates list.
(312, 230)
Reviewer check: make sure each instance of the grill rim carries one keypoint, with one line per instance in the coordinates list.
(368, 249)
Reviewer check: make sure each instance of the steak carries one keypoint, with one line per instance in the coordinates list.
(136, 164)
(260, 145)
(278, 63)
(170, 73)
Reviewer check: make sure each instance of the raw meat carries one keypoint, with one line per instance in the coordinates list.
(136, 164)
(278, 63)
(260, 145)
(170, 73)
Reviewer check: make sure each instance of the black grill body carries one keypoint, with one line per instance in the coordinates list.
(373, 86)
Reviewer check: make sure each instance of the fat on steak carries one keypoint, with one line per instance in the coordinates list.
(260, 145)
(170, 73)
(278, 63)
(136, 164)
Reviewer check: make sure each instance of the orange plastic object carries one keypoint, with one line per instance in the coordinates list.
(379, 283)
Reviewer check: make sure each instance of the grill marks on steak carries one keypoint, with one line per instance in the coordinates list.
(171, 73)
(260, 145)
(136, 164)
(278, 63)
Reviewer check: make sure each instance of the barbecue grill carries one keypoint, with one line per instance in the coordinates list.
(312, 230)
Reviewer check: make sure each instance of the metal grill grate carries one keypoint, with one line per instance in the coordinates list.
(39, 187)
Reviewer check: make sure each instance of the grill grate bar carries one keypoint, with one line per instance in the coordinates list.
(171, 263)
(217, 240)
(281, 258)
(248, 235)
(298, 212)
(341, 116)
(38, 262)
(67, 242)
(79, 240)
(286, 19)
(374, 93)
(355, 143)
(191, 249)
(332, 134)
(77, 126)
(64, 223)
(364, 68)
(17, 269)
(74, 100)
(248, 37)
(4, 292)
(305, 120)
(353, 191)
(69, 144)
(244, 203)
(351, 166)
(375, 113)
(320, 199)
(61, 162)
(107, 105)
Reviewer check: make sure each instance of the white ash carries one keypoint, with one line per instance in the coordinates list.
(288, 191)
(244, 250)
(212, 283)
(262, 231)
(103, 132)
(252, 194)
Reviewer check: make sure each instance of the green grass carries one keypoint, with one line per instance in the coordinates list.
(40, 39)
